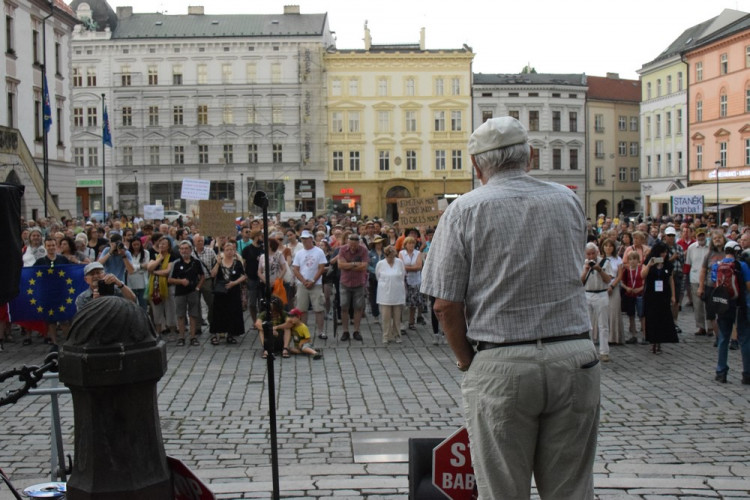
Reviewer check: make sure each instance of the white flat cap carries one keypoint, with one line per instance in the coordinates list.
(497, 133)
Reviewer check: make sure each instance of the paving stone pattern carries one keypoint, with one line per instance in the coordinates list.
(667, 429)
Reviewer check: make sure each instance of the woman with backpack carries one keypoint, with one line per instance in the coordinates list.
(658, 298)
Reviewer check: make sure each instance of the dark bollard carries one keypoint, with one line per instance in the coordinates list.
(111, 362)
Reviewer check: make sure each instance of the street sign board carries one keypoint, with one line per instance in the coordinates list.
(187, 486)
(452, 472)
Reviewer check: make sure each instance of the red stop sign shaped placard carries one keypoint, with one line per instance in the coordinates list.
(452, 472)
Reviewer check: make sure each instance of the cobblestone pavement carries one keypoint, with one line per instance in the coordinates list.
(667, 429)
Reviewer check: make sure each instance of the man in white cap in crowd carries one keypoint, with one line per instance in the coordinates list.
(531, 389)
(308, 267)
(100, 285)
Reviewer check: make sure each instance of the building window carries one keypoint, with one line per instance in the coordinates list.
(440, 159)
(35, 45)
(353, 87)
(78, 157)
(648, 128)
(622, 148)
(535, 162)
(179, 155)
(455, 86)
(699, 111)
(38, 118)
(668, 123)
(456, 121)
(77, 77)
(747, 56)
(278, 153)
(699, 72)
(202, 114)
(354, 161)
(227, 115)
(679, 121)
(410, 86)
(679, 81)
(226, 73)
(486, 115)
(153, 75)
(556, 159)
(126, 79)
(177, 115)
(338, 161)
(599, 123)
(153, 116)
(203, 74)
(648, 165)
(337, 122)
(203, 154)
(634, 124)
(622, 123)
(336, 87)
(78, 117)
(724, 64)
(439, 121)
(228, 153)
(9, 45)
(384, 160)
(93, 157)
(384, 121)
(599, 175)
(679, 162)
(514, 113)
(411, 159)
(153, 153)
(622, 174)
(747, 151)
(439, 86)
(276, 73)
(634, 174)
(658, 165)
(573, 121)
(533, 121)
(127, 116)
(91, 77)
(658, 125)
(648, 90)
(573, 159)
(91, 117)
(599, 149)
(457, 159)
(353, 121)
(411, 121)
(250, 72)
(382, 87)
(723, 105)
(723, 154)
(177, 74)
(251, 114)
(747, 100)
(556, 121)
(669, 164)
(699, 156)
(252, 153)
(127, 156)
(669, 84)
(633, 149)
(658, 87)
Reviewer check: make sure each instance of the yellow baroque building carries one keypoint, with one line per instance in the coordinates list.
(399, 118)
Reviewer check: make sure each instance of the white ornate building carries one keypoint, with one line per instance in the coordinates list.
(552, 107)
(234, 99)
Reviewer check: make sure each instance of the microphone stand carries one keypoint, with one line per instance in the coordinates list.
(261, 200)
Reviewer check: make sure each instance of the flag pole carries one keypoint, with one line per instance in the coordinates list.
(105, 127)
(46, 110)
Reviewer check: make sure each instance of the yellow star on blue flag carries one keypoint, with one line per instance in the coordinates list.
(49, 296)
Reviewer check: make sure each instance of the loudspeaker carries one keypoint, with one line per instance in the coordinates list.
(10, 235)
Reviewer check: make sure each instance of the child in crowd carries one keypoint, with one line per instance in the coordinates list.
(300, 335)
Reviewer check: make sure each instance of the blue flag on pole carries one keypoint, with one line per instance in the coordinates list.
(106, 136)
(48, 293)
(46, 109)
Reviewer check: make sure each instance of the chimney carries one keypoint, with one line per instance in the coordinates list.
(291, 9)
(368, 38)
(195, 10)
(421, 39)
(613, 76)
(124, 12)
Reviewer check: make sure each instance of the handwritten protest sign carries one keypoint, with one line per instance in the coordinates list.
(418, 212)
(692, 204)
(217, 218)
(153, 212)
(195, 189)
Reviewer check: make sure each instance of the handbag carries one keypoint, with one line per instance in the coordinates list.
(220, 288)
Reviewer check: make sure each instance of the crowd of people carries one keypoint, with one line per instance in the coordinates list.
(325, 269)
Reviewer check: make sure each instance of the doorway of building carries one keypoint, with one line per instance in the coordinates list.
(391, 201)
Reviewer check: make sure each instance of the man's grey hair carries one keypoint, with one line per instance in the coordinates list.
(592, 246)
(512, 157)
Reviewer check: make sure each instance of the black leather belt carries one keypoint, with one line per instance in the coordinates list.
(483, 346)
(596, 291)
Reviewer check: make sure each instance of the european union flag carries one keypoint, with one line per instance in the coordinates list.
(106, 135)
(48, 293)
(46, 109)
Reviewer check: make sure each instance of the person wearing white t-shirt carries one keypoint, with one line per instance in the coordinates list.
(308, 267)
(391, 293)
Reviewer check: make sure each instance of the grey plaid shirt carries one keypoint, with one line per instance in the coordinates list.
(511, 251)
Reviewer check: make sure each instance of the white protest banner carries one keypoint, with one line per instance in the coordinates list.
(195, 189)
(691, 204)
(153, 212)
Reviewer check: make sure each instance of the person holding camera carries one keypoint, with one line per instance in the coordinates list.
(659, 297)
(117, 259)
(596, 276)
(101, 284)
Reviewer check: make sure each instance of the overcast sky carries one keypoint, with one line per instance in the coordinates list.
(574, 36)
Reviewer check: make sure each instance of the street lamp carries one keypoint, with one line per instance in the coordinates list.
(135, 176)
(242, 193)
(717, 164)
(613, 196)
(443, 187)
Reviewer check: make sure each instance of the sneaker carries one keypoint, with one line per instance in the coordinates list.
(632, 340)
(398, 341)
(322, 336)
(734, 345)
(345, 336)
(357, 336)
(386, 342)
(604, 358)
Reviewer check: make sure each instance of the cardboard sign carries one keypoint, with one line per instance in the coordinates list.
(217, 218)
(687, 204)
(195, 189)
(153, 212)
(418, 212)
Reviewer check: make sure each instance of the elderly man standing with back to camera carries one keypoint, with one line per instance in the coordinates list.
(531, 389)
